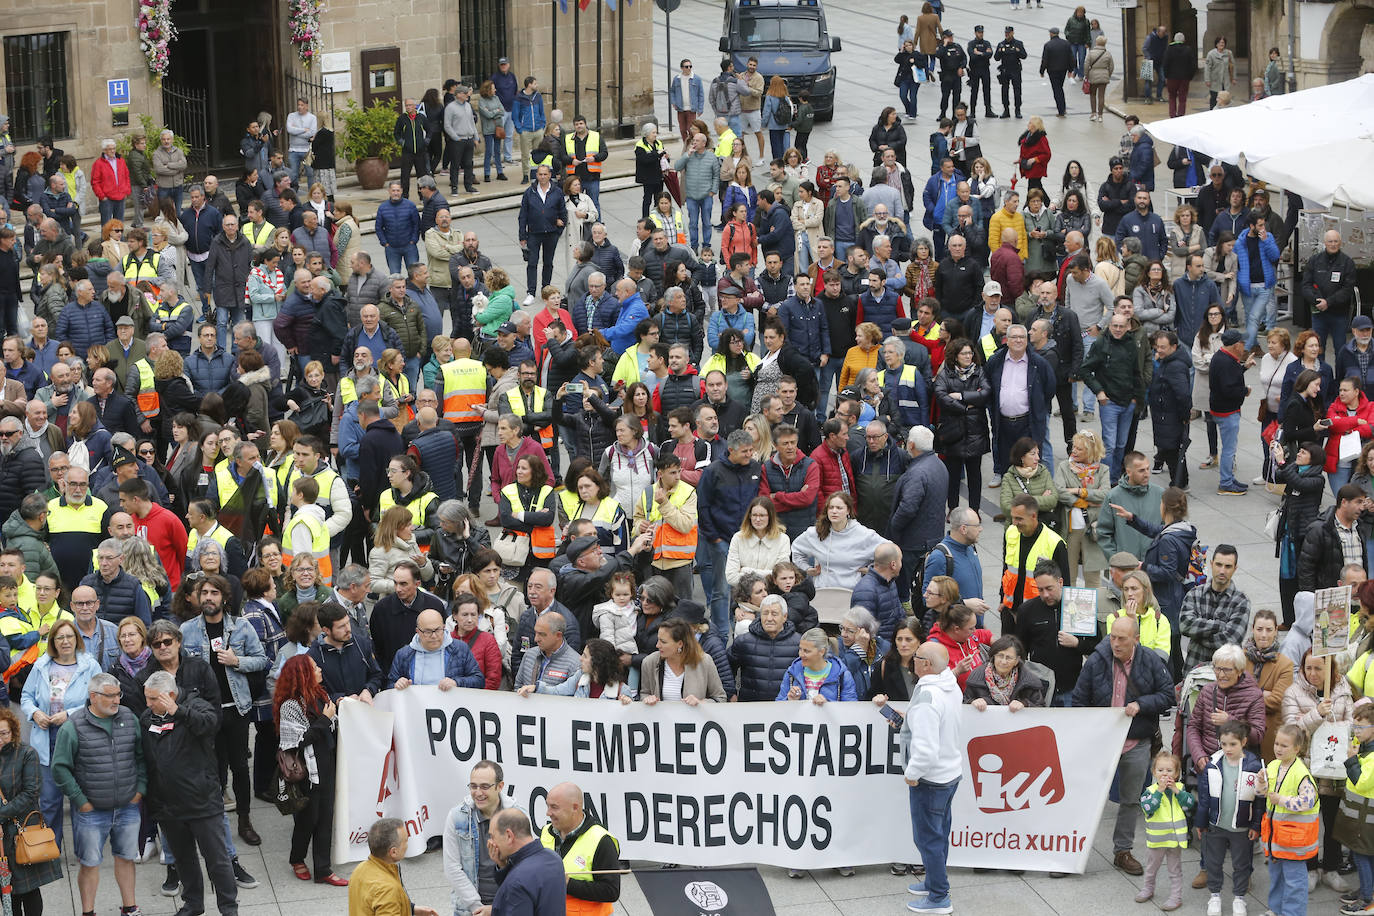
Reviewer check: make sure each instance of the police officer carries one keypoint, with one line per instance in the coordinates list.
(1009, 55)
(591, 856)
(953, 61)
(980, 72)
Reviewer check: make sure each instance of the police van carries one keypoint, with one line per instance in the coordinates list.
(790, 39)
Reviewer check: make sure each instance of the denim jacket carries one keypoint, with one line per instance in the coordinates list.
(462, 834)
(244, 642)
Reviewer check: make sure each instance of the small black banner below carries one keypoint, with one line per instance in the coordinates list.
(705, 892)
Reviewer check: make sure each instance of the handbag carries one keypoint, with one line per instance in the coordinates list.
(1271, 523)
(312, 414)
(513, 549)
(33, 845)
(1147, 69)
(1087, 87)
(291, 764)
(1350, 447)
(499, 133)
(289, 797)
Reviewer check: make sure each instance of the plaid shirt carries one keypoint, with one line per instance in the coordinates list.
(1211, 619)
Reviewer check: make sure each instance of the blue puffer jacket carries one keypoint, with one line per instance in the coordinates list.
(860, 668)
(1166, 562)
(1269, 259)
(209, 373)
(723, 494)
(838, 684)
(761, 661)
(879, 597)
(458, 663)
(84, 326)
(398, 223)
(528, 112)
(1150, 684)
(712, 645)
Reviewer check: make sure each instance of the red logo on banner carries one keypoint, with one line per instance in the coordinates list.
(1016, 770)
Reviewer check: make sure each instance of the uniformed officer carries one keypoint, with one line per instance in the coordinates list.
(953, 62)
(980, 72)
(1009, 55)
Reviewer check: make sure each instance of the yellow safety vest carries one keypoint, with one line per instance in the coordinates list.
(225, 487)
(577, 865)
(405, 413)
(661, 222)
(669, 543)
(418, 507)
(1289, 834)
(544, 538)
(219, 534)
(592, 147)
(29, 620)
(726, 144)
(1155, 631)
(465, 387)
(1167, 828)
(324, 476)
(148, 400)
(1043, 549)
(145, 268)
(989, 345)
(258, 239)
(80, 519)
(319, 544)
(515, 397)
(348, 391)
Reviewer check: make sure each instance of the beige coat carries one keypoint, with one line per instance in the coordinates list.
(1275, 679)
(1099, 65)
(1300, 708)
(927, 33)
(701, 680)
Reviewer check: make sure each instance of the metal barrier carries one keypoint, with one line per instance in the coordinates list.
(314, 91)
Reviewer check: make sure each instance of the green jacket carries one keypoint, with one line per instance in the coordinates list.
(37, 556)
(1113, 366)
(408, 322)
(500, 305)
(140, 169)
(1078, 31)
(1113, 534)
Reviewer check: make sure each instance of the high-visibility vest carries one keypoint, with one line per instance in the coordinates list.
(348, 390)
(402, 388)
(79, 519)
(662, 222)
(577, 865)
(145, 268)
(219, 534)
(591, 147)
(148, 401)
(225, 486)
(1167, 828)
(166, 313)
(669, 543)
(515, 397)
(324, 476)
(419, 507)
(989, 345)
(1289, 834)
(465, 387)
(726, 144)
(570, 501)
(258, 238)
(1046, 543)
(906, 377)
(544, 538)
(1155, 630)
(319, 544)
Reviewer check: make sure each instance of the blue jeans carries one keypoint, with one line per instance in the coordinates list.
(906, 91)
(1334, 326)
(166, 858)
(412, 373)
(713, 583)
(1288, 887)
(699, 212)
(1116, 426)
(202, 288)
(491, 152)
(172, 194)
(1364, 867)
(1340, 477)
(777, 142)
(736, 124)
(1228, 427)
(932, 815)
(803, 251)
(111, 209)
(828, 373)
(90, 829)
(225, 319)
(295, 162)
(842, 250)
(50, 797)
(394, 256)
(1080, 54)
(1259, 304)
(593, 189)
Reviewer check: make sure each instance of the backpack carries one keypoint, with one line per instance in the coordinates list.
(720, 96)
(1197, 567)
(785, 111)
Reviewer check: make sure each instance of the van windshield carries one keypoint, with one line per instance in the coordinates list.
(760, 28)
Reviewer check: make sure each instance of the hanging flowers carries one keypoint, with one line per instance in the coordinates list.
(305, 29)
(155, 35)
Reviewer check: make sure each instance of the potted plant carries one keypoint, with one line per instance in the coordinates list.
(369, 142)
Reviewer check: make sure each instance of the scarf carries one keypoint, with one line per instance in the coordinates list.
(1082, 472)
(135, 664)
(1257, 655)
(1001, 687)
(964, 373)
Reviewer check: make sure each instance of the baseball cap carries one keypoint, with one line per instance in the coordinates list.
(503, 60)
(992, 288)
(1362, 323)
(977, 28)
(1123, 559)
(506, 328)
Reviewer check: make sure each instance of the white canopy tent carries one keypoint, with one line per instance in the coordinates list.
(1318, 143)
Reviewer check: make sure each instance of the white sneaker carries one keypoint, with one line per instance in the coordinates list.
(1259, 481)
(527, 301)
(149, 850)
(1237, 906)
(1313, 877)
(1334, 880)
(1214, 905)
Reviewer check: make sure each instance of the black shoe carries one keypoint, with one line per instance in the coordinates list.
(241, 877)
(1005, 114)
(500, 176)
(171, 885)
(989, 114)
(472, 190)
(247, 833)
(1018, 112)
(453, 189)
(189, 911)
(486, 179)
(434, 843)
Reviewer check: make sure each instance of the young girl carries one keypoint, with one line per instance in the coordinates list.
(785, 579)
(1228, 785)
(1355, 820)
(615, 619)
(1167, 807)
(1291, 822)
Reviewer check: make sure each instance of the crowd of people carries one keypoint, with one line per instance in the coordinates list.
(247, 510)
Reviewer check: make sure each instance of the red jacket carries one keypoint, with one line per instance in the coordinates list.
(110, 181)
(488, 655)
(1035, 146)
(1006, 267)
(958, 650)
(1342, 423)
(830, 472)
(785, 502)
(167, 535)
(503, 469)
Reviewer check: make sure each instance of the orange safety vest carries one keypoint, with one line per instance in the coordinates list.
(148, 400)
(544, 538)
(1043, 549)
(517, 406)
(669, 543)
(465, 389)
(1289, 834)
(591, 148)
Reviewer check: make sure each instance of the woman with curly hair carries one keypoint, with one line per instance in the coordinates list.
(603, 677)
(306, 722)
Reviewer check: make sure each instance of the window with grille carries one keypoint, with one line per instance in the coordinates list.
(36, 86)
(481, 38)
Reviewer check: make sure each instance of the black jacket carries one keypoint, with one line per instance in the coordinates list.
(580, 590)
(1115, 200)
(1009, 54)
(952, 59)
(894, 137)
(1330, 277)
(963, 427)
(958, 284)
(194, 677)
(350, 669)
(1321, 558)
(22, 472)
(1038, 626)
(179, 751)
(392, 624)
(119, 414)
(1150, 684)
(1302, 500)
(792, 363)
(1057, 55)
(761, 661)
(603, 887)
(1180, 61)
(839, 316)
(1226, 377)
(1030, 690)
(1067, 334)
(1170, 400)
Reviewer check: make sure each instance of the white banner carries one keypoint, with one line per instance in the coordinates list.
(786, 784)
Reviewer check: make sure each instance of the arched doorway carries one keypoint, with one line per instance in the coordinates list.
(1346, 50)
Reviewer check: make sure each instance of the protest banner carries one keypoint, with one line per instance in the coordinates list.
(785, 784)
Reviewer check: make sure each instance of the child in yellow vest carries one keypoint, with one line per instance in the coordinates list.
(1290, 829)
(1168, 808)
(1355, 820)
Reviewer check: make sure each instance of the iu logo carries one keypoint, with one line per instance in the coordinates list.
(1016, 770)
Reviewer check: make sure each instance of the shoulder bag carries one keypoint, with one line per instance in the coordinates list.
(33, 845)
(291, 765)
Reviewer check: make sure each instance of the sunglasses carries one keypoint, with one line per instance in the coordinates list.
(162, 643)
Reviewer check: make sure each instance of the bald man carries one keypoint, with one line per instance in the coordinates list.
(1328, 288)
(435, 658)
(934, 754)
(584, 846)
(116, 411)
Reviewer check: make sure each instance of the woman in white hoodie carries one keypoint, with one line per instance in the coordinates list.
(760, 544)
(836, 548)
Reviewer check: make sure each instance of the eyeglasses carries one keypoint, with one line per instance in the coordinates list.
(85, 603)
(1223, 669)
(107, 695)
(488, 786)
(162, 643)
(430, 631)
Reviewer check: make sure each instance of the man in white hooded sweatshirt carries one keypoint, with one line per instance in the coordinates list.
(933, 746)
